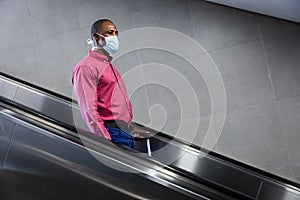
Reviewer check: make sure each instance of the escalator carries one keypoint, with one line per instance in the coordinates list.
(44, 154)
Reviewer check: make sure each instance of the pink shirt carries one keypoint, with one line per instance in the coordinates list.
(100, 96)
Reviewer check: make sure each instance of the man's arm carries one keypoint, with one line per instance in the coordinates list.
(85, 88)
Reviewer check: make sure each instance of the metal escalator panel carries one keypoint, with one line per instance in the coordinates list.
(40, 164)
(37, 100)
(7, 128)
(222, 173)
(192, 163)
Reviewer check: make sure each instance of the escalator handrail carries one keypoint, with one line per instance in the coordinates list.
(164, 136)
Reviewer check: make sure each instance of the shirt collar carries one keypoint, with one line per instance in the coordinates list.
(98, 56)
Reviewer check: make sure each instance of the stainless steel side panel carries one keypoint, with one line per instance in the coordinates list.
(204, 167)
(215, 171)
(220, 173)
(273, 191)
(46, 105)
(6, 131)
(7, 89)
(41, 165)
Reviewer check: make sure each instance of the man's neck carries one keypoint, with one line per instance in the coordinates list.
(103, 52)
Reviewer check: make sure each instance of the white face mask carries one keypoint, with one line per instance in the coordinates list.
(112, 44)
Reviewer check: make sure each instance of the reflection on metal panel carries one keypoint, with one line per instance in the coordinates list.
(6, 132)
(48, 160)
(31, 149)
(51, 107)
(205, 168)
(273, 191)
(220, 174)
(7, 89)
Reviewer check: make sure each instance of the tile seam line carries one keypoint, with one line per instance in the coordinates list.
(125, 13)
(266, 58)
(233, 45)
(233, 110)
(287, 151)
(210, 51)
(190, 16)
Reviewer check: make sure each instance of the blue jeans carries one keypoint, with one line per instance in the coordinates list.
(119, 136)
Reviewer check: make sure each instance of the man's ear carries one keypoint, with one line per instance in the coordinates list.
(100, 40)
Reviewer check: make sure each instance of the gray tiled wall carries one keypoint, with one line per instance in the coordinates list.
(257, 57)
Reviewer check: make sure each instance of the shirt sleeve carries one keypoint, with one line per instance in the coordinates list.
(85, 88)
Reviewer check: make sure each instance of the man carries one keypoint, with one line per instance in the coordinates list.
(100, 90)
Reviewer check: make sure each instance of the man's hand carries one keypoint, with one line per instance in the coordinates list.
(139, 133)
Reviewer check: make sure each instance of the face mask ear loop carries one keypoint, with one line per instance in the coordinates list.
(100, 41)
(90, 43)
